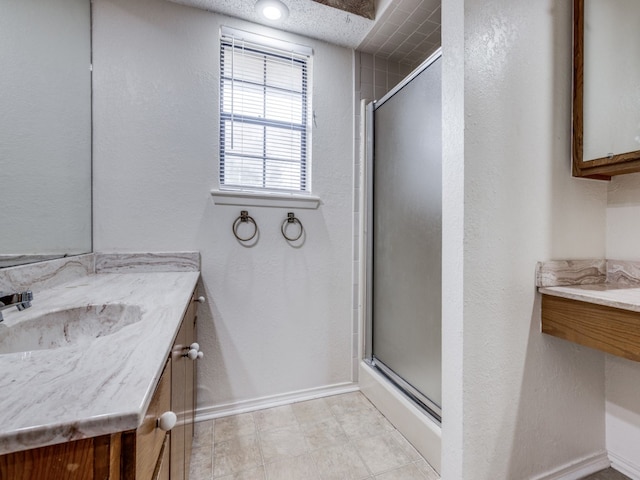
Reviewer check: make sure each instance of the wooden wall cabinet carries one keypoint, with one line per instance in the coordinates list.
(618, 162)
(147, 453)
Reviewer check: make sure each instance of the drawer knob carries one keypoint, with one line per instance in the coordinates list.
(167, 421)
(195, 346)
(200, 299)
(194, 354)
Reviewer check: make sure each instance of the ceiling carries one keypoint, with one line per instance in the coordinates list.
(408, 31)
(404, 31)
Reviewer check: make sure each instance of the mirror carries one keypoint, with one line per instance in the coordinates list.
(606, 88)
(45, 129)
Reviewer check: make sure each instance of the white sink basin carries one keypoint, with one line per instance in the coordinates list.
(62, 328)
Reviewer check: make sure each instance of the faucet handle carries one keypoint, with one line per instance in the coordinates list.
(25, 300)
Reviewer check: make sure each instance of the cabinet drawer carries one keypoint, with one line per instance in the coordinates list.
(150, 438)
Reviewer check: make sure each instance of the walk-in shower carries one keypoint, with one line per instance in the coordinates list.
(403, 246)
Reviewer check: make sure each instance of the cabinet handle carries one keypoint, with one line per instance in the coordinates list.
(167, 421)
(195, 346)
(200, 299)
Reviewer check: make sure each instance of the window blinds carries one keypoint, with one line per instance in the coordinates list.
(263, 115)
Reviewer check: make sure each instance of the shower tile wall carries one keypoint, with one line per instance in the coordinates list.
(373, 78)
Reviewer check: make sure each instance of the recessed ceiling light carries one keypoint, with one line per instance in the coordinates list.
(273, 10)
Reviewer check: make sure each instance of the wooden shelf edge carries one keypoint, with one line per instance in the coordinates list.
(608, 329)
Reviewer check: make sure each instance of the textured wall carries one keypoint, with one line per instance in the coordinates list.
(623, 376)
(520, 403)
(279, 319)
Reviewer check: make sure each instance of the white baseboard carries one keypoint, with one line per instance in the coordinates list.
(580, 469)
(630, 469)
(217, 411)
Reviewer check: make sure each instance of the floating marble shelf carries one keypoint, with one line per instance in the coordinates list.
(595, 303)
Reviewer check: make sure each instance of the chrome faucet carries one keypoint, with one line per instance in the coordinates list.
(19, 300)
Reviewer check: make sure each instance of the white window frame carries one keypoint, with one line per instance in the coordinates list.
(255, 195)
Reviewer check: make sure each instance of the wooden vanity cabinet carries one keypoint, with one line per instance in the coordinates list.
(147, 453)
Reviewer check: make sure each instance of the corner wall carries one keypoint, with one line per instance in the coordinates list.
(623, 376)
(517, 404)
(278, 320)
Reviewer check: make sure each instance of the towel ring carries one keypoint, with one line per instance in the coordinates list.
(244, 218)
(291, 218)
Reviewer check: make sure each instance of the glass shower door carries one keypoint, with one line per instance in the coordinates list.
(405, 218)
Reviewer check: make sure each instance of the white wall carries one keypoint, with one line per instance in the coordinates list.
(278, 319)
(517, 403)
(623, 376)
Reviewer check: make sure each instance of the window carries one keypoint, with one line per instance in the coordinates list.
(264, 114)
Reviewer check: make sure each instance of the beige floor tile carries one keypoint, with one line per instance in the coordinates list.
(364, 424)
(427, 470)
(226, 428)
(297, 468)
(340, 463)
(406, 446)
(277, 417)
(325, 433)
(408, 472)
(282, 443)
(203, 433)
(312, 411)
(251, 474)
(236, 455)
(381, 453)
(335, 438)
(201, 467)
(348, 403)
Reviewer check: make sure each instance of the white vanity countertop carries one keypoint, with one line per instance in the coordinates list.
(625, 297)
(102, 387)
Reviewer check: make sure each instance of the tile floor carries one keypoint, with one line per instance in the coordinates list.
(342, 437)
(608, 474)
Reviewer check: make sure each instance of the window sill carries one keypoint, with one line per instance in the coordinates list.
(264, 199)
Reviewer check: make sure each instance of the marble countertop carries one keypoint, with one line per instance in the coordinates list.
(97, 388)
(616, 295)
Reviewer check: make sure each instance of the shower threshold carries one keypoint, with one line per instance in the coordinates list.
(413, 422)
(420, 400)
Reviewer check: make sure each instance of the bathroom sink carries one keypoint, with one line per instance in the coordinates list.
(69, 327)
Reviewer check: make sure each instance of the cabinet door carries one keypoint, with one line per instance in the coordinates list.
(163, 466)
(190, 387)
(150, 438)
(183, 395)
(178, 364)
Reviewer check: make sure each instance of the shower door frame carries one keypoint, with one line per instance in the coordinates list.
(432, 409)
